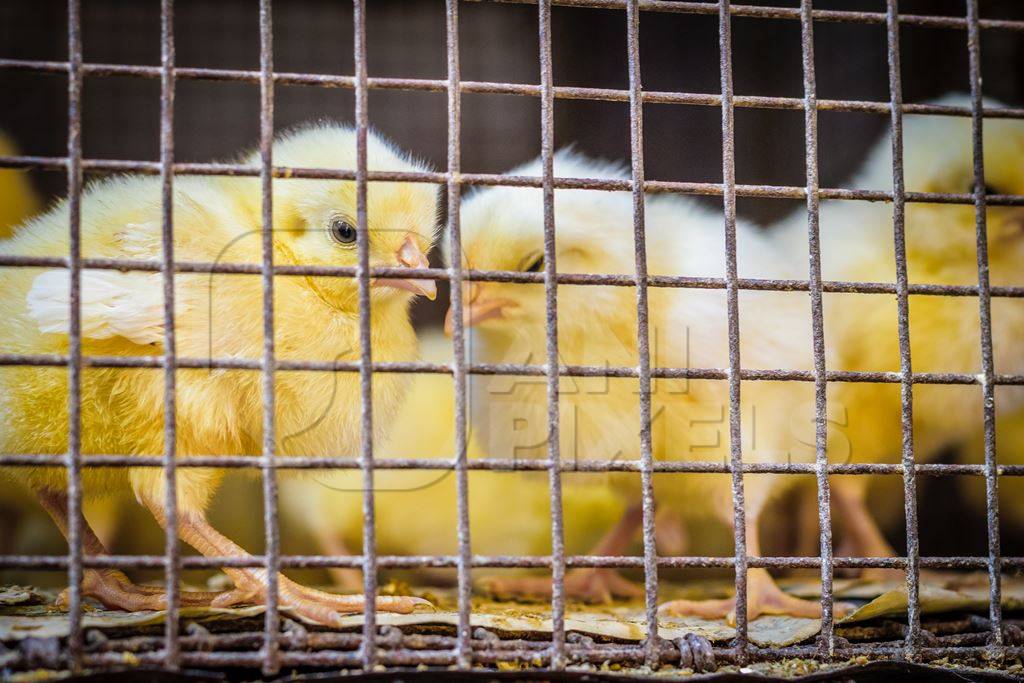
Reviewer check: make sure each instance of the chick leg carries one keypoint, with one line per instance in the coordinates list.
(862, 538)
(110, 586)
(591, 584)
(763, 594)
(251, 584)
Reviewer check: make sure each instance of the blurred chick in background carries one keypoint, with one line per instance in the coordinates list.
(18, 200)
(503, 230)
(219, 412)
(509, 514)
(857, 245)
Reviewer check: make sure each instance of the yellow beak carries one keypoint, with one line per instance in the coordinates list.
(409, 255)
(476, 309)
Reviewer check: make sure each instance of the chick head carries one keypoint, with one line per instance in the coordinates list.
(938, 157)
(503, 229)
(315, 220)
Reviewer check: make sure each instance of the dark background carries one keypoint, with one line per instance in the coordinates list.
(498, 42)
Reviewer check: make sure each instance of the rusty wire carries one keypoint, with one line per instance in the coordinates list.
(827, 637)
(372, 648)
(903, 333)
(172, 550)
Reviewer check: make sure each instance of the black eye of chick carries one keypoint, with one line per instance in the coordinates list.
(535, 266)
(342, 231)
(989, 189)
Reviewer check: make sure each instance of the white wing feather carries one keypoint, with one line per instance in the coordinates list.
(113, 304)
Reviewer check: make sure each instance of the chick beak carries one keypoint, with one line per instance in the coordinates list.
(476, 309)
(410, 256)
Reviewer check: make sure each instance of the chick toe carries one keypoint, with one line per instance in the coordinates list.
(114, 590)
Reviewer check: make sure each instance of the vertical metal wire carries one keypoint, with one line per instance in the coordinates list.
(74, 455)
(903, 331)
(827, 637)
(172, 567)
(271, 662)
(547, 142)
(636, 148)
(369, 652)
(985, 308)
(464, 647)
(733, 315)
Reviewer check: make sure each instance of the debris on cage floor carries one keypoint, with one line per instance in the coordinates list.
(953, 608)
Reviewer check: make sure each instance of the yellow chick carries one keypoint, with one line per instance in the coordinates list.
(503, 230)
(861, 329)
(416, 509)
(219, 412)
(18, 200)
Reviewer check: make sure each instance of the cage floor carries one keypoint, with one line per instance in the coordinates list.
(514, 635)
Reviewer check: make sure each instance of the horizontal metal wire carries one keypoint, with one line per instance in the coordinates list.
(493, 562)
(303, 462)
(509, 369)
(498, 88)
(511, 276)
(497, 179)
(596, 654)
(838, 16)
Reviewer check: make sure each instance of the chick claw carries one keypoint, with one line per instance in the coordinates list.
(589, 585)
(316, 605)
(114, 590)
(763, 597)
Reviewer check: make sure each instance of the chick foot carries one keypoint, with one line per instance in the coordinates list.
(251, 584)
(114, 590)
(316, 605)
(595, 585)
(763, 597)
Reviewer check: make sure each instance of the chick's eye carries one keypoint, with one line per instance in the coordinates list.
(536, 265)
(342, 231)
(989, 188)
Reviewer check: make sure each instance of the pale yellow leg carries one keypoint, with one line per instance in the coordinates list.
(251, 583)
(110, 586)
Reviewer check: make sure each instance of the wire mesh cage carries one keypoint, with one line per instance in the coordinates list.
(271, 640)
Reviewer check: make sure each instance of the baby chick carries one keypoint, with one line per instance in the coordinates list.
(416, 509)
(219, 412)
(857, 244)
(503, 229)
(18, 200)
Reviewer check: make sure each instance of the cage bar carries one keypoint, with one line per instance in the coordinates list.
(368, 653)
(827, 636)
(547, 128)
(903, 332)
(732, 312)
(172, 547)
(985, 310)
(463, 646)
(75, 518)
(271, 655)
(636, 148)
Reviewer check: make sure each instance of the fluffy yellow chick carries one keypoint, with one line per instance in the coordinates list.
(219, 411)
(18, 200)
(416, 510)
(503, 230)
(857, 244)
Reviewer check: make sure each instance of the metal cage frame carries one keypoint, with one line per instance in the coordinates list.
(465, 649)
